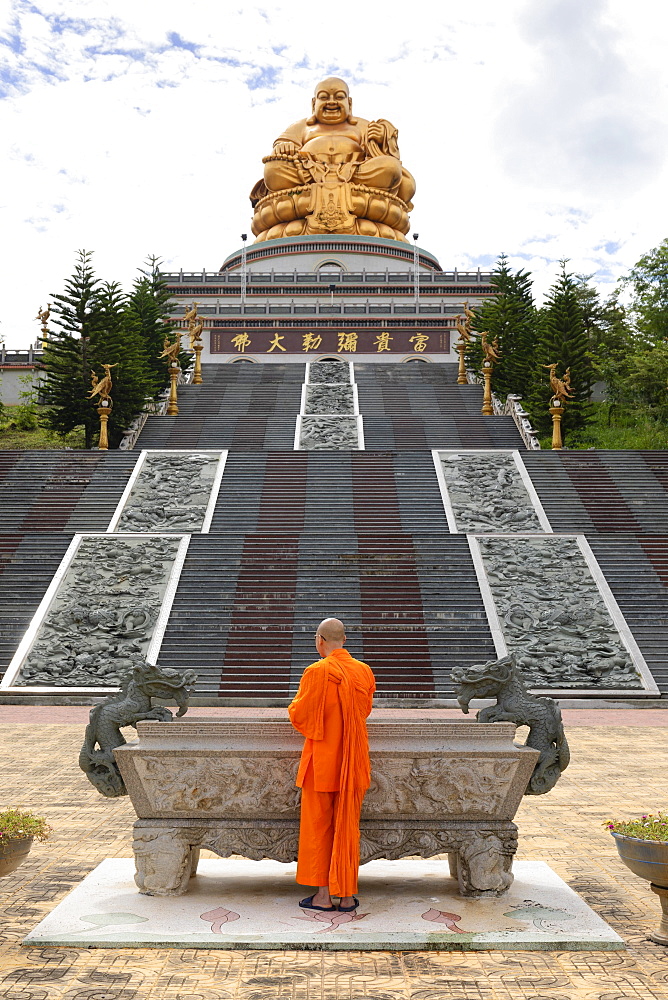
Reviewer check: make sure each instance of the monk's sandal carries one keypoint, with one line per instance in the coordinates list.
(349, 909)
(307, 904)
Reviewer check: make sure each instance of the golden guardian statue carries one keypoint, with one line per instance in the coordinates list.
(333, 173)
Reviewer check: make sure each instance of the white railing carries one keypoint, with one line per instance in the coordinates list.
(186, 377)
(511, 408)
(153, 408)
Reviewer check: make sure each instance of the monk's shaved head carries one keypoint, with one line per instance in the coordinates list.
(332, 630)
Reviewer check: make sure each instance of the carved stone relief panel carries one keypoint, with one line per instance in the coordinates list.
(328, 433)
(256, 842)
(329, 399)
(229, 786)
(437, 786)
(104, 612)
(553, 615)
(171, 492)
(166, 855)
(329, 371)
(486, 493)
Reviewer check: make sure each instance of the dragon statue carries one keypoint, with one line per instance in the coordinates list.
(500, 679)
(130, 705)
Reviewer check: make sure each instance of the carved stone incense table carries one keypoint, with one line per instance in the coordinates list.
(449, 786)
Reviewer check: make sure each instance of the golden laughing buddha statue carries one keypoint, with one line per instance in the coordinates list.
(333, 173)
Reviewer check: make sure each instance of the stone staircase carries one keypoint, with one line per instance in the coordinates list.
(602, 491)
(636, 569)
(61, 490)
(252, 407)
(327, 492)
(412, 600)
(27, 565)
(298, 535)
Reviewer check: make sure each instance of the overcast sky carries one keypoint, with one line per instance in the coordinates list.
(129, 127)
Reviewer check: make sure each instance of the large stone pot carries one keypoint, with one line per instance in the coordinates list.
(13, 853)
(649, 860)
(438, 787)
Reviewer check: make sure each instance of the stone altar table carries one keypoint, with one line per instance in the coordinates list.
(438, 786)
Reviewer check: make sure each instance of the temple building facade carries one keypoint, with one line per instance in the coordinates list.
(297, 299)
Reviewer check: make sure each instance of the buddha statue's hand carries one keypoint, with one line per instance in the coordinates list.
(286, 147)
(376, 133)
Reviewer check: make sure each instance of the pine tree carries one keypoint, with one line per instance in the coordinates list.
(67, 361)
(511, 317)
(562, 338)
(118, 343)
(92, 328)
(149, 313)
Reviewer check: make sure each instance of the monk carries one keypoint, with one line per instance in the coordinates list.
(330, 709)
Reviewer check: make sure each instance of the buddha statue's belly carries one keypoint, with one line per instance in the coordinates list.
(333, 148)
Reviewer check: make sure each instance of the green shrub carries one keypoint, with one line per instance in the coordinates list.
(24, 418)
(15, 824)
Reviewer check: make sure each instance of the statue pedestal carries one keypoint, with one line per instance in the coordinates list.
(327, 204)
(438, 787)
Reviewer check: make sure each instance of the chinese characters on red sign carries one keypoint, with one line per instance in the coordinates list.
(288, 340)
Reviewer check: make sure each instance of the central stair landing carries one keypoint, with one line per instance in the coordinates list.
(248, 407)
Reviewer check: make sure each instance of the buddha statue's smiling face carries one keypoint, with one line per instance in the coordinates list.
(331, 102)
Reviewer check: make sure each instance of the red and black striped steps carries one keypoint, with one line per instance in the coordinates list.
(412, 603)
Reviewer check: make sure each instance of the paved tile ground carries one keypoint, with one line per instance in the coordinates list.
(616, 770)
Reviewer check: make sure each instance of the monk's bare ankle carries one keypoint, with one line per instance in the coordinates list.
(322, 897)
(346, 901)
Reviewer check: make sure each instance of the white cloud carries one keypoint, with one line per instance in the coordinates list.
(581, 123)
(135, 128)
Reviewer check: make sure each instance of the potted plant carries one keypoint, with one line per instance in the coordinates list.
(17, 831)
(643, 847)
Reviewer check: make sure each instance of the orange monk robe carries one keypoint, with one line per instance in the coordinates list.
(330, 710)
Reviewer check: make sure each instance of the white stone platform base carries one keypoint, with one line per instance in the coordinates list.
(404, 906)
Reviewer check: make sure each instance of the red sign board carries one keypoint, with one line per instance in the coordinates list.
(288, 340)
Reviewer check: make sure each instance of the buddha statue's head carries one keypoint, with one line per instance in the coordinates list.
(331, 103)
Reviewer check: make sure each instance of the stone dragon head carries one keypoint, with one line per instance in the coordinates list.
(482, 680)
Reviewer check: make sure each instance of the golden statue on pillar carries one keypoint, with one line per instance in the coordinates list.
(191, 317)
(195, 332)
(490, 348)
(102, 388)
(171, 350)
(170, 353)
(42, 318)
(491, 355)
(463, 325)
(195, 328)
(561, 389)
(333, 173)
